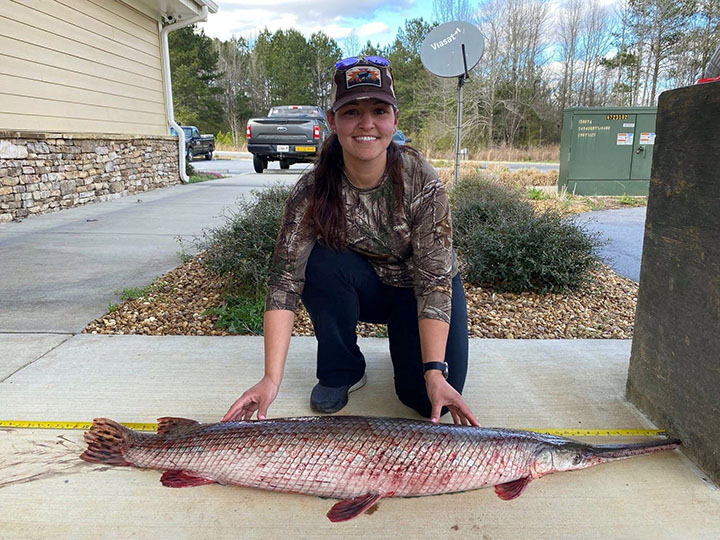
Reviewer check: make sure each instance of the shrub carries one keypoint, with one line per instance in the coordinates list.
(241, 249)
(240, 315)
(224, 138)
(477, 199)
(504, 243)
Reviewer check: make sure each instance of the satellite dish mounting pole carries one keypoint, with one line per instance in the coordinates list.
(458, 135)
(451, 50)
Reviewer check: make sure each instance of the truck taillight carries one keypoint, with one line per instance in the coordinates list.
(247, 131)
(316, 132)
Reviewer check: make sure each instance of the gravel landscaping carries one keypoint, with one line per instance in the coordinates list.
(176, 304)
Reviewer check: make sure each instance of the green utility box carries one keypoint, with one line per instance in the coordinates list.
(607, 150)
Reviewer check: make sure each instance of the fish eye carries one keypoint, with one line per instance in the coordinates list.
(577, 459)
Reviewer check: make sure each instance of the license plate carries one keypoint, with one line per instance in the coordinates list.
(304, 148)
(283, 148)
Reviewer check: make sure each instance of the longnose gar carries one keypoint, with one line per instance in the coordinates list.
(356, 459)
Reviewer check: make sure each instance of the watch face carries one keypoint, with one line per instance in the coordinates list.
(445, 370)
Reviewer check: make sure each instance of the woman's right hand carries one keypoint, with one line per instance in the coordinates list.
(258, 398)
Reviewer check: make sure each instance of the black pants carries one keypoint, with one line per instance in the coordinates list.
(342, 288)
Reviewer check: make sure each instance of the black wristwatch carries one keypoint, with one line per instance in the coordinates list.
(442, 366)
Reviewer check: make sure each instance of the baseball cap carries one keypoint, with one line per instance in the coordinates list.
(362, 78)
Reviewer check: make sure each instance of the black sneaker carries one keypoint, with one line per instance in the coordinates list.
(327, 399)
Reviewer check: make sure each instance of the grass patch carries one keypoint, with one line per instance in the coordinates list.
(204, 177)
(133, 293)
(537, 194)
(240, 315)
(627, 200)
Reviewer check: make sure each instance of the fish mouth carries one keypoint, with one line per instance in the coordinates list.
(608, 452)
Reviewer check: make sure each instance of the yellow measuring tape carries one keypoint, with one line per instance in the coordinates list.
(37, 424)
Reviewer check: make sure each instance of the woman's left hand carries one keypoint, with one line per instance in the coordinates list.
(441, 395)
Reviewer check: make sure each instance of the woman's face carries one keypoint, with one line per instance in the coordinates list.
(364, 128)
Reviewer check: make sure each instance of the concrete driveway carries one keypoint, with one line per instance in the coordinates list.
(623, 231)
(61, 270)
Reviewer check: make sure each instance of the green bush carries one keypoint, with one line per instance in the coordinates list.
(224, 138)
(241, 249)
(504, 243)
(478, 199)
(240, 315)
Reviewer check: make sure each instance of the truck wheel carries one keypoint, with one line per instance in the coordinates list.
(284, 164)
(259, 164)
(189, 155)
(208, 156)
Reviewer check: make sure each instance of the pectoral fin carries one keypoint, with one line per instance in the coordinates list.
(179, 479)
(351, 508)
(512, 490)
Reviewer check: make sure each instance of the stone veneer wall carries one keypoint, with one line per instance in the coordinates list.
(44, 172)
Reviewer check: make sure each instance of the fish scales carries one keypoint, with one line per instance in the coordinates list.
(356, 459)
(343, 458)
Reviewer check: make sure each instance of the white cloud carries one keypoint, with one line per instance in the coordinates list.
(335, 18)
(372, 28)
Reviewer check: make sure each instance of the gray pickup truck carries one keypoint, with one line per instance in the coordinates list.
(288, 134)
(196, 144)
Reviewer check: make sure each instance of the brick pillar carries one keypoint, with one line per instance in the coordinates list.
(674, 374)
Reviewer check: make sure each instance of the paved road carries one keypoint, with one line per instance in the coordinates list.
(243, 165)
(623, 231)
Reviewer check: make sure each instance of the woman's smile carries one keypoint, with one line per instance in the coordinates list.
(364, 128)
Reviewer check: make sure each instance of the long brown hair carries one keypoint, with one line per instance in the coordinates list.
(326, 210)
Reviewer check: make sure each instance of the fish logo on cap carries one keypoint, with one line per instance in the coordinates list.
(363, 75)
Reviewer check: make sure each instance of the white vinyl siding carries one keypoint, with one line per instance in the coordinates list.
(80, 66)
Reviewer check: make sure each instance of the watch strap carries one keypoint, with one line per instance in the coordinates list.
(442, 366)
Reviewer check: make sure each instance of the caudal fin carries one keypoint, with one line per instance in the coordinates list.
(107, 442)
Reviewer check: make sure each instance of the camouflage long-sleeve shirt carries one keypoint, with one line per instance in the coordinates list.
(408, 248)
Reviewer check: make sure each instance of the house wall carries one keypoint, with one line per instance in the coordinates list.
(80, 66)
(45, 172)
(82, 105)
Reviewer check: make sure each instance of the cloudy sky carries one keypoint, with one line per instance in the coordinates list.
(374, 20)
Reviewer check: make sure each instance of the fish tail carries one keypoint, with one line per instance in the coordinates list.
(107, 442)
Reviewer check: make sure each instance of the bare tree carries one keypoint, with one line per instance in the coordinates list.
(568, 30)
(595, 44)
(351, 44)
(453, 10)
(233, 62)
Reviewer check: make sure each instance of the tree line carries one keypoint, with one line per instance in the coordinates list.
(536, 63)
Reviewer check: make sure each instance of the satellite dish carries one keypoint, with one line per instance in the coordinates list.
(452, 49)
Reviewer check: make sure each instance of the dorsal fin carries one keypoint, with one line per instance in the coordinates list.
(169, 424)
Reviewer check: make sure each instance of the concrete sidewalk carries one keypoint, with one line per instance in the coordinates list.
(45, 491)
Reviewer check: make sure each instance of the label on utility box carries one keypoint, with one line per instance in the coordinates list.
(624, 139)
(647, 138)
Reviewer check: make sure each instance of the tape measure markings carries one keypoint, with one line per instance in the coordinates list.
(139, 426)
